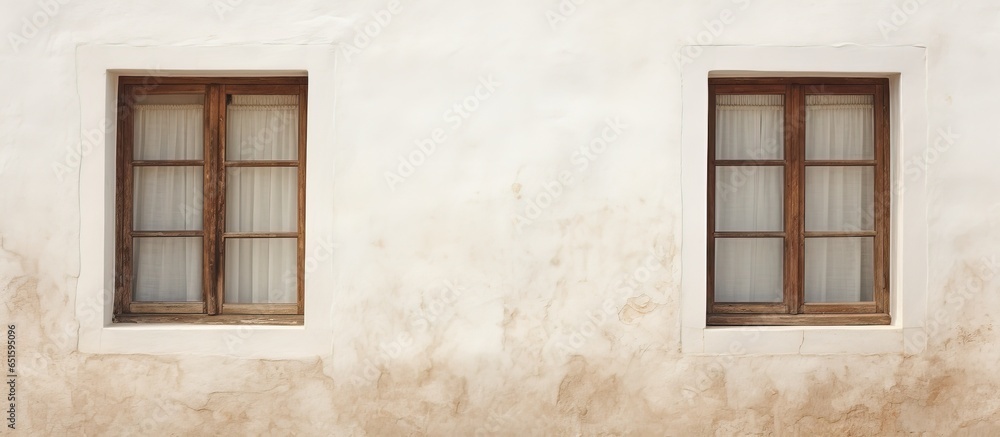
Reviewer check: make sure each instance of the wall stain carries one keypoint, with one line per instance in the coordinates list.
(634, 387)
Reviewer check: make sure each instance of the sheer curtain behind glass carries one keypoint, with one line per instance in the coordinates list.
(749, 198)
(261, 199)
(168, 198)
(839, 198)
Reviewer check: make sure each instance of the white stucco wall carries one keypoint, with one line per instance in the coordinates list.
(516, 279)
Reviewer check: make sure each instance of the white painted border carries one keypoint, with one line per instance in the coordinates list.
(906, 68)
(98, 67)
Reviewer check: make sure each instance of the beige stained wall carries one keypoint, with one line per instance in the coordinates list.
(456, 313)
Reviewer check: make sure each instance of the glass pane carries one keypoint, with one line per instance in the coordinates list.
(261, 270)
(840, 198)
(262, 127)
(839, 269)
(748, 269)
(749, 126)
(169, 127)
(168, 198)
(840, 127)
(167, 269)
(749, 198)
(262, 199)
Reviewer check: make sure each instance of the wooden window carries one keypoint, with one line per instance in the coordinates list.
(210, 200)
(798, 201)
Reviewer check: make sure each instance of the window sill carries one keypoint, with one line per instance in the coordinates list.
(795, 340)
(245, 341)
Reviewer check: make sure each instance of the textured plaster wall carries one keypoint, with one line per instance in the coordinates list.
(512, 283)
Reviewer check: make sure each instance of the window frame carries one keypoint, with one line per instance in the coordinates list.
(906, 69)
(793, 310)
(213, 309)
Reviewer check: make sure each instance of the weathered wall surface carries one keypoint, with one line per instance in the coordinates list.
(469, 300)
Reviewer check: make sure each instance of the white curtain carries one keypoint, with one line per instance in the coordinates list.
(839, 198)
(750, 198)
(749, 126)
(168, 198)
(261, 199)
(262, 127)
(258, 199)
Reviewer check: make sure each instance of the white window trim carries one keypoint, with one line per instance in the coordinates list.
(905, 66)
(98, 67)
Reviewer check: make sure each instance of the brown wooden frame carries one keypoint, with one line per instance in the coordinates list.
(793, 310)
(212, 310)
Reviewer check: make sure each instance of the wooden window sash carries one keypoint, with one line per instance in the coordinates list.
(793, 310)
(212, 309)
(226, 91)
(794, 255)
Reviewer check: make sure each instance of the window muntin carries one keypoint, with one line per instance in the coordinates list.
(210, 196)
(798, 201)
